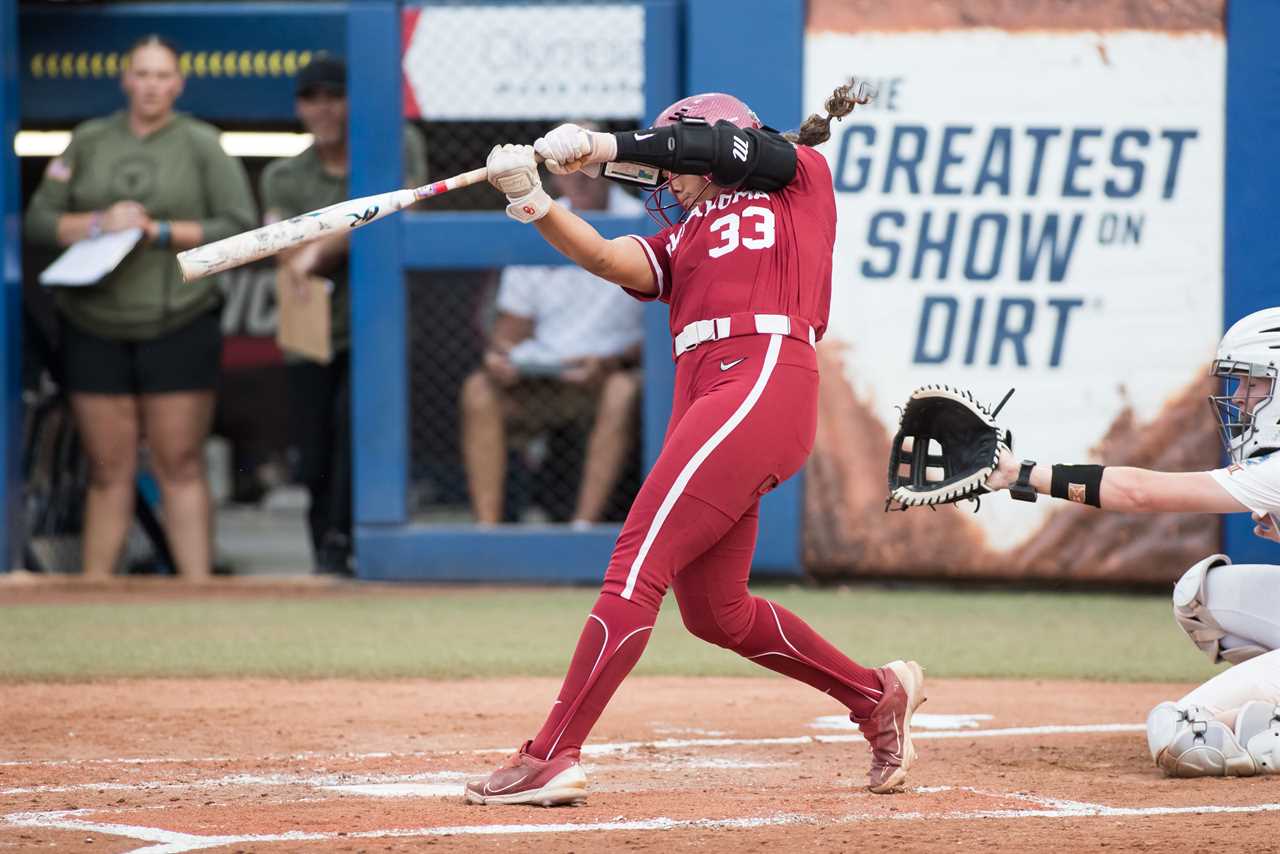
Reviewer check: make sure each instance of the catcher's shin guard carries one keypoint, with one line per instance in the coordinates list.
(1258, 729)
(1190, 743)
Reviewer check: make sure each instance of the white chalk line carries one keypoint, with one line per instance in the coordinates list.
(310, 756)
(347, 781)
(1026, 797)
(122, 760)
(316, 780)
(593, 749)
(400, 790)
(920, 720)
(1076, 811)
(173, 842)
(674, 743)
(677, 730)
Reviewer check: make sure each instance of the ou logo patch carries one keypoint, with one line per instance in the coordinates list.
(133, 177)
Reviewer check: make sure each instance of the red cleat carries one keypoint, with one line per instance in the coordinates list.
(888, 728)
(526, 780)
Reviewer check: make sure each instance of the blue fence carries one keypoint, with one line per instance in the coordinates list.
(11, 293)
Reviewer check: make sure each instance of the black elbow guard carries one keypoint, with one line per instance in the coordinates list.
(752, 159)
(734, 157)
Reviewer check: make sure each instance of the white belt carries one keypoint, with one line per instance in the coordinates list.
(719, 328)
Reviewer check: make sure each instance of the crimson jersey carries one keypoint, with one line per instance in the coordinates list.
(751, 251)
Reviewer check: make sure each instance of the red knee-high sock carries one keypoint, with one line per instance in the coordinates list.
(782, 642)
(610, 645)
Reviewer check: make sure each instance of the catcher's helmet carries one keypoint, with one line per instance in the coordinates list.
(1248, 414)
(709, 107)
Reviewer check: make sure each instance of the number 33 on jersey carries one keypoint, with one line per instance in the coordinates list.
(747, 250)
(727, 227)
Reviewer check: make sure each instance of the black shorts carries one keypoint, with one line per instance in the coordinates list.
(186, 359)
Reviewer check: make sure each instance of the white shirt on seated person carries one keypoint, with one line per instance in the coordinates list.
(574, 313)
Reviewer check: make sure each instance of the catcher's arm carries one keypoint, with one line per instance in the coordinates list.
(1125, 489)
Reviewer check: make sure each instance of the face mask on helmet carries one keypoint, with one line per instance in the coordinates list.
(1246, 367)
(662, 201)
(1246, 394)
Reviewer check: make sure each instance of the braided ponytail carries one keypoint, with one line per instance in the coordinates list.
(817, 129)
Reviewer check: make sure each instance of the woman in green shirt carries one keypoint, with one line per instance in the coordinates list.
(140, 349)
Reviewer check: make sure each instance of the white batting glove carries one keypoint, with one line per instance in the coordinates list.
(1264, 526)
(569, 148)
(513, 171)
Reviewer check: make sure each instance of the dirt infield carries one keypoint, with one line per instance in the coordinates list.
(675, 764)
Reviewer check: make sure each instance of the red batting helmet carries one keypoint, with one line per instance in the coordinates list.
(710, 107)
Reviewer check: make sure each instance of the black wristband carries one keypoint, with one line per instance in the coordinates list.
(1022, 490)
(1081, 484)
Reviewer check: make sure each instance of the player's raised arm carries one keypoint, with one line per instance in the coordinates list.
(514, 171)
(730, 156)
(705, 135)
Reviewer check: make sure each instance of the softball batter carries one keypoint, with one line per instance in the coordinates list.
(747, 274)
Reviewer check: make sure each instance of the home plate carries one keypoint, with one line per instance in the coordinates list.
(920, 720)
(401, 790)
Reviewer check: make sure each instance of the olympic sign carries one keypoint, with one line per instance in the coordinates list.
(479, 62)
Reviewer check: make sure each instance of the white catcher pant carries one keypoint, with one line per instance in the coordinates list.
(1245, 602)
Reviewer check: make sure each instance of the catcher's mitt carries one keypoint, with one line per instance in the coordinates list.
(947, 445)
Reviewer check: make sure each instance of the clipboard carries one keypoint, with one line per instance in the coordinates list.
(86, 262)
(303, 318)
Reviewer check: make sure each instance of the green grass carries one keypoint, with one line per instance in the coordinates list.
(485, 633)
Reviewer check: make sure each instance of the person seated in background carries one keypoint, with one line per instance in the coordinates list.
(562, 350)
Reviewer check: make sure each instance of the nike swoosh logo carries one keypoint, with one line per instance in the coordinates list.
(641, 137)
(724, 366)
(489, 791)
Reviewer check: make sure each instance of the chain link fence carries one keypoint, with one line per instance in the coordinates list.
(536, 458)
(525, 382)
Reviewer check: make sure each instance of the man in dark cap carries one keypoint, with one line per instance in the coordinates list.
(319, 388)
